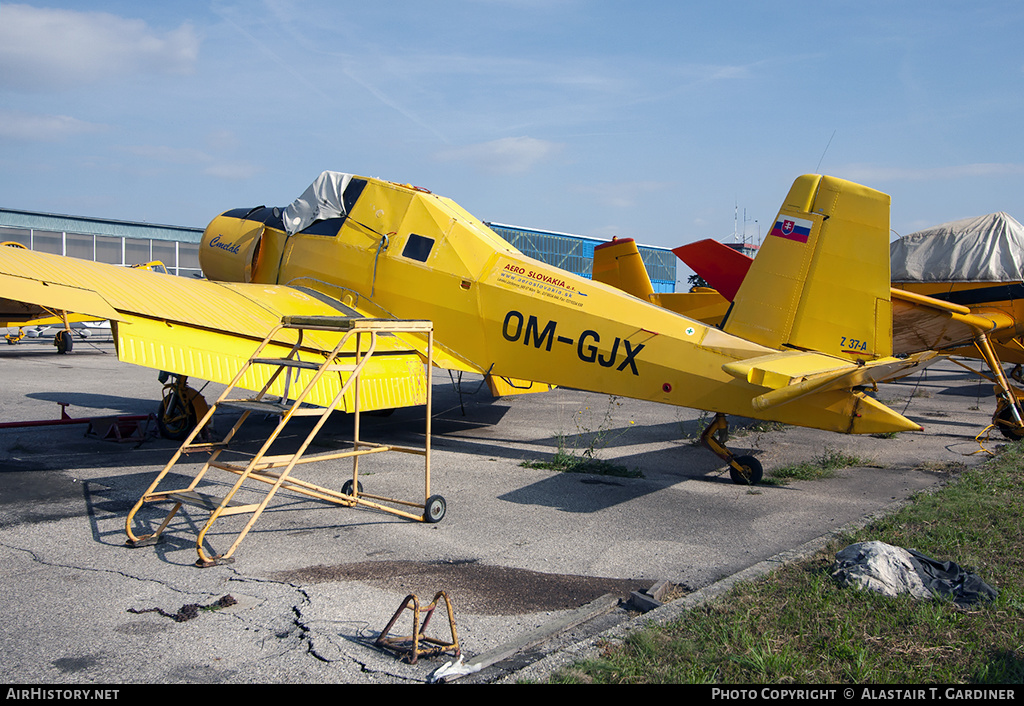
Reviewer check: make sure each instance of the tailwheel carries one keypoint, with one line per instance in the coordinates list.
(749, 472)
(744, 470)
(1007, 423)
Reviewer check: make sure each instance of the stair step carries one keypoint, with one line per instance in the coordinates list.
(209, 502)
(303, 364)
(203, 446)
(271, 407)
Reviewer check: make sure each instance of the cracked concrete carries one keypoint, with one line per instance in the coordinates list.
(316, 584)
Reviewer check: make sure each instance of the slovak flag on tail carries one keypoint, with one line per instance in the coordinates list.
(790, 228)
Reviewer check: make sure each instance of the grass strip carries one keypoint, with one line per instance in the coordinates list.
(797, 625)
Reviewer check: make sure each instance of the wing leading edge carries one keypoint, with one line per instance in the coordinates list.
(202, 328)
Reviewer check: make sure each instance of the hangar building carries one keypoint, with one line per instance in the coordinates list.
(132, 243)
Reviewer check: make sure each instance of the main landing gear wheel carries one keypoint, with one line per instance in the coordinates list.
(434, 510)
(752, 471)
(64, 341)
(175, 418)
(1007, 424)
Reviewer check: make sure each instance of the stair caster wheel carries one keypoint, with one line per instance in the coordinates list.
(434, 510)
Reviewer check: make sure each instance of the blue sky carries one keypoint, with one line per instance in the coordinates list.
(653, 120)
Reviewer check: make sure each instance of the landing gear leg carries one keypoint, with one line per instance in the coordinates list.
(1009, 416)
(180, 407)
(744, 470)
(63, 340)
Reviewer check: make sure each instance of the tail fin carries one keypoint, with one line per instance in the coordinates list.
(821, 279)
(717, 264)
(618, 263)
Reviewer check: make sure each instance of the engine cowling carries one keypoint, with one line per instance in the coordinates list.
(231, 247)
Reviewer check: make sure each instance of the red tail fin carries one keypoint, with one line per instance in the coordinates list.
(719, 265)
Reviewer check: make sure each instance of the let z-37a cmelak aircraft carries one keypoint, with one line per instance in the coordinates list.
(952, 317)
(801, 349)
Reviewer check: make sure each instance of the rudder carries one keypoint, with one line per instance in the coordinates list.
(618, 263)
(821, 279)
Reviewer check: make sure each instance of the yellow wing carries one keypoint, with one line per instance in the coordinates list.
(198, 327)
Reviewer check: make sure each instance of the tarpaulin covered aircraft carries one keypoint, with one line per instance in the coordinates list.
(797, 350)
(954, 289)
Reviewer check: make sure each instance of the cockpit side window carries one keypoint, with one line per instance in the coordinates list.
(418, 247)
(261, 214)
(352, 193)
(329, 226)
(332, 226)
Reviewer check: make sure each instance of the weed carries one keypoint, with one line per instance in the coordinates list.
(574, 460)
(761, 427)
(824, 466)
(568, 462)
(699, 426)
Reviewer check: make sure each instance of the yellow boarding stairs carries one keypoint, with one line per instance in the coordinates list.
(275, 470)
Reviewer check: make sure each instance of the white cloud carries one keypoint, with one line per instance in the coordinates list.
(623, 195)
(42, 49)
(170, 155)
(866, 173)
(17, 125)
(233, 171)
(508, 155)
(188, 156)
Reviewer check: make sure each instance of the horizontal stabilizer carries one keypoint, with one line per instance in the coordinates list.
(702, 304)
(791, 375)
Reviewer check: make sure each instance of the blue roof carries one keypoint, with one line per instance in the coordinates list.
(96, 226)
(575, 253)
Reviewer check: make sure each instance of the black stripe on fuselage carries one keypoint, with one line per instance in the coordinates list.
(983, 295)
(273, 217)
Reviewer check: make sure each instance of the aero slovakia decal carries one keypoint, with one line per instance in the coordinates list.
(791, 228)
(534, 281)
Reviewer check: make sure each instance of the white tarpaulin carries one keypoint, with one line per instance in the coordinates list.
(983, 249)
(882, 568)
(323, 199)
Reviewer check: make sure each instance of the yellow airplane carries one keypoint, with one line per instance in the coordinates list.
(975, 264)
(959, 318)
(64, 338)
(799, 349)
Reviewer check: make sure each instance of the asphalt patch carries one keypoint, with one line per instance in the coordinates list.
(473, 587)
